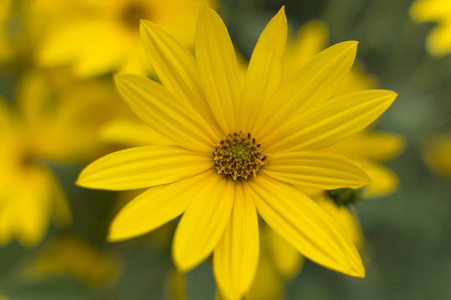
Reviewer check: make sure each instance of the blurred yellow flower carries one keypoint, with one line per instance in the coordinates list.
(100, 36)
(438, 41)
(75, 256)
(54, 120)
(437, 154)
(29, 193)
(238, 148)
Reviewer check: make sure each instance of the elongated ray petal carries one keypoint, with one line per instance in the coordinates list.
(346, 218)
(133, 133)
(383, 180)
(265, 70)
(312, 86)
(142, 167)
(379, 146)
(155, 207)
(301, 222)
(332, 122)
(175, 66)
(166, 113)
(218, 68)
(287, 259)
(319, 170)
(236, 256)
(203, 223)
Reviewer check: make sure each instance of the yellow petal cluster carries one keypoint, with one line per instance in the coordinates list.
(52, 121)
(200, 101)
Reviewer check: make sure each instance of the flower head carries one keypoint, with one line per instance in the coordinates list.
(202, 103)
(97, 37)
(50, 122)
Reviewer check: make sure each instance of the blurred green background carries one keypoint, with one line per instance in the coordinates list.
(407, 234)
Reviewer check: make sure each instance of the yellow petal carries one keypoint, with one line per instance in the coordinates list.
(429, 10)
(218, 68)
(332, 122)
(155, 207)
(166, 113)
(93, 47)
(142, 167)
(265, 70)
(308, 228)
(54, 51)
(132, 133)
(287, 259)
(345, 218)
(175, 66)
(236, 256)
(203, 223)
(311, 39)
(319, 170)
(438, 41)
(383, 180)
(379, 146)
(311, 87)
(436, 153)
(32, 207)
(268, 283)
(103, 49)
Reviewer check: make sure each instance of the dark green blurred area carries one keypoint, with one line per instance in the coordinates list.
(407, 248)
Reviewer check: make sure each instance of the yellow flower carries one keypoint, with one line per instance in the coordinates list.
(438, 41)
(73, 255)
(437, 154)
(102, 36)
(238, 149)
(54, 121)
(29, 193)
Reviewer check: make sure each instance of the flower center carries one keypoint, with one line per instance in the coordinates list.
(238, 155)
(132, 13)
(344, 196)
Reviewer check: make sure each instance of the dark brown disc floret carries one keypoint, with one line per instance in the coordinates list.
(238, 155)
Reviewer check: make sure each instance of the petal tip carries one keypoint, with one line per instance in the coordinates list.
(359, 272)
(113, 238)
(281, 14)
(81, 180)
(282, 10)
(180, 264)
